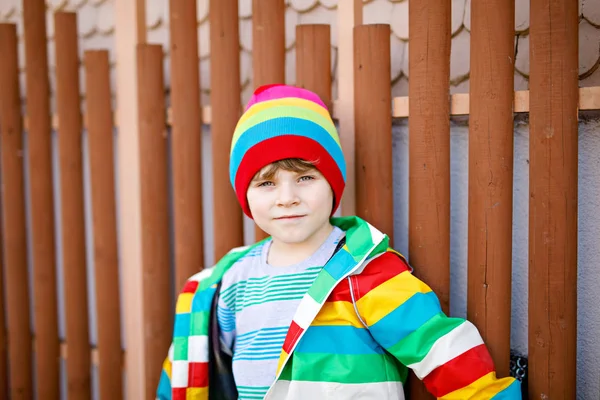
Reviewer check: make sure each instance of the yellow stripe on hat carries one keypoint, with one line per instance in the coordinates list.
(289, 106)
(284, 101)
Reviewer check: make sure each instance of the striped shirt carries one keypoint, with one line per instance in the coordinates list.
(256, 305)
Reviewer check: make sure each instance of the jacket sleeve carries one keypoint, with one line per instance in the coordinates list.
(163, 392)
(405, 318)
(164, 389)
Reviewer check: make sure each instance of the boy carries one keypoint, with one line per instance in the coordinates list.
(322, 309)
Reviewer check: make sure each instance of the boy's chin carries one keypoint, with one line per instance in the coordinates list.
(292, 233)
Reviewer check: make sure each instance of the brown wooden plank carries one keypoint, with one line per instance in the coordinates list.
(268, 51)
(268, 42)
(14, 241)
(349, 15)
(429, 145)
(100, 148)
(589, 99)
(429, 151)
(228, 218)
(186, 141)
(491, 175)
(313, 60)
(373, 124)
(42, 200)
(140, 21)
(553, 199)
(72, 208)
(95, 359)
(3, 331)
(154, 213)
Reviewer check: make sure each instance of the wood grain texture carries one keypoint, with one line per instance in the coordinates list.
(429, 151)
(225, 100)
(491, 176)
(186, 141)
(72, 206)
(14, 225)
(43, 246)
(553, 199)
(373, 124)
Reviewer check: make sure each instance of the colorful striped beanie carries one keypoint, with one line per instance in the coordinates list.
(283, 122)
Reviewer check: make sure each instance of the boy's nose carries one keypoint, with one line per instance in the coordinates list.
(287, 196)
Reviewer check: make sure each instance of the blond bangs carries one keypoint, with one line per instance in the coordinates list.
(296, 165)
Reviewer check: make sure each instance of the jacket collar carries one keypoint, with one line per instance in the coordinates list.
(363, 241)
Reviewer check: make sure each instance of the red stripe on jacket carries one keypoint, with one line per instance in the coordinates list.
(471, 365)
(378, 271)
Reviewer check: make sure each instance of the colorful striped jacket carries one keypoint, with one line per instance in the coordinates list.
(365, 320)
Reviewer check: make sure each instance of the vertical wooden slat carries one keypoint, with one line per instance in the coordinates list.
(186, 137)
(373, 123)
(3, 304)
(429, 144)
(268, 50)
(72, 213)
(42, 200)
(268, 42)
(553, 141)
(100, 148)
(155, 212)
(130, 30)
(140, 16)
(429, 150)
(14, 244)
(3, 333)
(228, 218)
(349, 15)
(491, 175)
(313, 60)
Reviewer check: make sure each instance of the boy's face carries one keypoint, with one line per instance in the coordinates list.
(291, 206)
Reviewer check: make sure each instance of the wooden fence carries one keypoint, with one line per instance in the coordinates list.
(365, 118)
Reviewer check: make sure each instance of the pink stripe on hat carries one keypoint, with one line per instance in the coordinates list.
(279, 91)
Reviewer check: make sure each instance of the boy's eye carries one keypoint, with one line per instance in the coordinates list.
(265, 183)
(307, 177)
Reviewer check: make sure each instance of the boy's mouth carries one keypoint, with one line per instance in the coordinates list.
(289, 217)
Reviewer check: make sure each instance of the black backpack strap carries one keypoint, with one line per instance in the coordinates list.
(340, 244)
